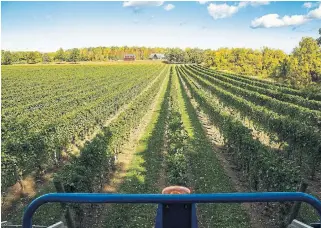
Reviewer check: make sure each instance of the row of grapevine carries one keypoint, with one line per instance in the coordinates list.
(303, 140)
(132, 116)
(254, 78)
(305, 115)
(90, 170)
(176, 162)
(264, 170)
(27, 141)
(294, 99)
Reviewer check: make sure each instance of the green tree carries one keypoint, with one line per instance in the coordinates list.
(84, 54)
(319, 39)
(209, 58)
(271, 59)
(74, 55)
(194, 55)
(60, 55)
(288, 71)
(308, 56)
(46, 58)
(31, 58)
(175, 55)
(6, 57)
(282, 70)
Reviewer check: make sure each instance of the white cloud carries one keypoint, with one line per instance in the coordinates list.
(203, 2)
(274, 21)
(315, 14)
(307, 5)
(169, 7)
(219, 11)
(243, 4)
(253, 3)
(142, 3)
(260, 3)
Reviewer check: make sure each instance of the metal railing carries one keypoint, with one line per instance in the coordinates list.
(165, 198)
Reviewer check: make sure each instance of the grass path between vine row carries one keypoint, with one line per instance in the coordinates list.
(206, 174)
(143, 173)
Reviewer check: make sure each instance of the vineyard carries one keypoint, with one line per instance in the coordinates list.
(137, 128)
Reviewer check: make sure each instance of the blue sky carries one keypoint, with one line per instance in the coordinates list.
(47, 26)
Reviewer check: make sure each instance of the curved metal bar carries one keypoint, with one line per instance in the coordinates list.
(164, 198)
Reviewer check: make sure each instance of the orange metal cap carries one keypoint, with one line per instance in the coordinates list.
(176, 190)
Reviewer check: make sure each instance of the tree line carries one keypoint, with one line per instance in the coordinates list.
(301, 67)
(77, 54)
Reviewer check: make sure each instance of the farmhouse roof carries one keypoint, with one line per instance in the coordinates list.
(158, 55)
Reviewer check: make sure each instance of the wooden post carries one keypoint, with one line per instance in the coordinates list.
(296, 207)
(68, 215)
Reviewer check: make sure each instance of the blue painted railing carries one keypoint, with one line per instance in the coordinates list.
(164, 198)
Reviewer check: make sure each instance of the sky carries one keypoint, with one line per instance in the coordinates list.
(47, 26)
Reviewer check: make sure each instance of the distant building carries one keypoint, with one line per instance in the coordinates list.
(129, 57)
(155, 56)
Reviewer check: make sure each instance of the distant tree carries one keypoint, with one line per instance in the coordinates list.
(15, 56)
(74, 55)
(285, 71)
(60, 55)
(84, 54)
(91, 55)
(31, 57)
(271, 59)
(46, 58)
(282, 69)
(304, 65)
(98, 54)
(6, 57)
(194, 55)
(308, 56)
(175, 55)
(209, 58)
(319, 39)
(24, 56)
(51, 55)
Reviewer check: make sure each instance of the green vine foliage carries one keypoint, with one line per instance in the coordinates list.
(304, 140)
(177, 141)
(310, 117)
(39, 123)
(263, 169)
(91, 170)
(270, 90)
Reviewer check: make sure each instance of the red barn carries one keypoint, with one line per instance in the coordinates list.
(129, 57)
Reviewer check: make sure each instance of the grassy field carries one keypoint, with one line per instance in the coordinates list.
(141, 126)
